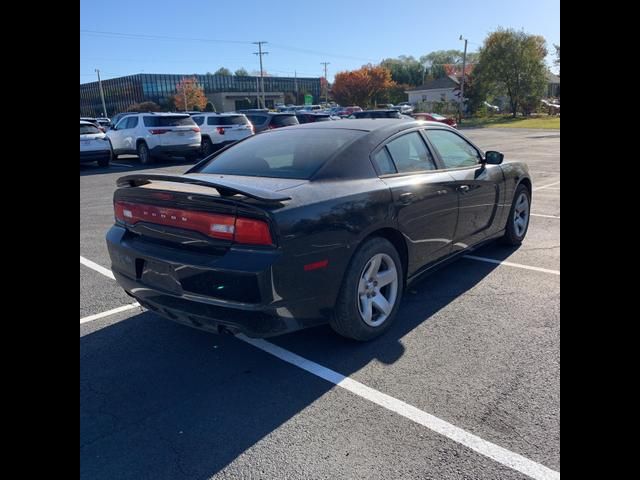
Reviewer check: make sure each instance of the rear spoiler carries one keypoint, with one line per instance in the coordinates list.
(222, 185)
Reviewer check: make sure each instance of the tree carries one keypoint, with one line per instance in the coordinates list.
(512, 63)
(556, 62)
(406, 70)
(193, 92)
(144, 107)
(223, 71)
(241, 72)
(361, 87)
(209, 107)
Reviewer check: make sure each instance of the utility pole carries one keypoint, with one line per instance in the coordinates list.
(184, 92)
(464, 65)
(260, 53)
(295, 83)
(326, 82)
(104, 107)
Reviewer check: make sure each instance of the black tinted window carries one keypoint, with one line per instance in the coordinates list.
(257, 119)
(198, 120)
(281, 154)
(284, 120)
(383, 162)
(235, 120)
(168, 121)
(410, 153)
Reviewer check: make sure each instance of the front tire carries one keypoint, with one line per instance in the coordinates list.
(144, 154)
(104, 162)
(371, 291)
(206, 147)
(518, 220)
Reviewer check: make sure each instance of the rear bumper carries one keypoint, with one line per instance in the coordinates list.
(94, 155)
(176, 150)
(233, 292)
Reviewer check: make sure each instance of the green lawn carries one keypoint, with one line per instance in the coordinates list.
(506, 121)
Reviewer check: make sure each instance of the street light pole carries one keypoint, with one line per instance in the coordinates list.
(261, 53)
(464, 65)
(104, 107)
(326, 82)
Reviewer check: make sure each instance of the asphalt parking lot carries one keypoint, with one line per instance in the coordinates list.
(465, 385)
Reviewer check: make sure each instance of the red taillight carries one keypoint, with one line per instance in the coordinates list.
(196, 129)
(253, 130)
(159, 131)
(220, 130)
(225, 227)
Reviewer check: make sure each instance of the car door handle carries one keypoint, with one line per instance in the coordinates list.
(406, 198)
(463, 188)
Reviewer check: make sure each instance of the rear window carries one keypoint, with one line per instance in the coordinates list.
(168, 121)
(284, 120)
(228, 120)
(88, 129)
(257, 119)
(282, 153)
(199, 120)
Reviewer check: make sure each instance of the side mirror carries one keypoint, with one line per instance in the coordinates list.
(493, 158)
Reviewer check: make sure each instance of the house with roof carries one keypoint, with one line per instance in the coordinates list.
(443, 89)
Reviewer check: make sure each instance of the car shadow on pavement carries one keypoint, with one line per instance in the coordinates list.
(164, 401)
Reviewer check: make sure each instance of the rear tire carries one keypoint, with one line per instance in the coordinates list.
(144, 154)
(519, 215)
(371, 292)
(104, 162)
(206, 147)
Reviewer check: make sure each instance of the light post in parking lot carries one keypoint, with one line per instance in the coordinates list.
(464, 64)
(104, 107)
(260, 53)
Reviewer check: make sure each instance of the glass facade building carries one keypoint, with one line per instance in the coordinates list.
(121, 92)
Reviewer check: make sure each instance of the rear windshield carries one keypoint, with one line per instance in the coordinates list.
(198, 120)
(257, 119)
(88, 129)
(284, 120)
(438, 117)
(228, 120)
(168, 121)
(282, 153)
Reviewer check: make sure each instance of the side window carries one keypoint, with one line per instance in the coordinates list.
(383, 162)
(198, 120)
(132, 122)
(410, 154)
(454, 150)
(122, 124)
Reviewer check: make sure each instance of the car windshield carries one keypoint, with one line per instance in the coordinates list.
(282, 153)
(88, 129)
(168, 121)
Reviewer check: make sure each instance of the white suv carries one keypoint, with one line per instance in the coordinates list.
(151, 135)
(221, 129)
(94, 146)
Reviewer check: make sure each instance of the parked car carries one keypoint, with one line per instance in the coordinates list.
(221, 129)
(405, 107)
(321, 223)
(94, 145)
(434, 117)
(153, 135)
(376, 114)
(266, 120)
(345, 112)
(95, 122)
(309, 117)
(117, 117)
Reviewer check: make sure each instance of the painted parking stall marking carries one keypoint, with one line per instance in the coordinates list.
(511, 264)
(499, 454)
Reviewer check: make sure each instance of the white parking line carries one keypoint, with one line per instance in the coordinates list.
(545, 216)
(546, 186)
(511, 264)
(499, 454)
(98, 268)
(113, 311)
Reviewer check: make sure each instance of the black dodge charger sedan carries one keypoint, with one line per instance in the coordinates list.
(309, 224)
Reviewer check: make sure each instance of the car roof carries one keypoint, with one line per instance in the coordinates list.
(221, 114)
(85, 122)
(370, 124)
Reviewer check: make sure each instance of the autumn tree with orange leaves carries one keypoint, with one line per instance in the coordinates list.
(362, 87)
(194, 93)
